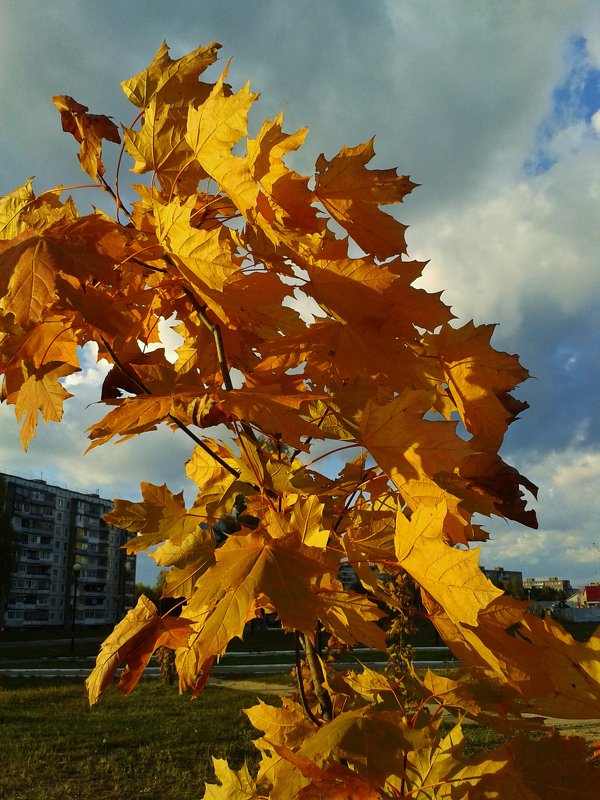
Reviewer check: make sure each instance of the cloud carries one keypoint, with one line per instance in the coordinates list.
(568, 541)
(460, 101)
(517, 245)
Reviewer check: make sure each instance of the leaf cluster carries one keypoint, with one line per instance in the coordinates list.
(304, 340)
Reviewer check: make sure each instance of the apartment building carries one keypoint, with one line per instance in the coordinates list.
(65, 553)
(556, 584)
(499, 575)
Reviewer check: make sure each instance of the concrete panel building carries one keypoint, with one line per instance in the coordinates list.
(65, 550)
(556, 584)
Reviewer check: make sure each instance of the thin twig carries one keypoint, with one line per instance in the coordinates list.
(215, 329)
(144, 390)
(115, 197)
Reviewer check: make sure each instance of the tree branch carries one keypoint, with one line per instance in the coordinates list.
(316, 672)
(215, 329)
(300, 680)
(144, 390)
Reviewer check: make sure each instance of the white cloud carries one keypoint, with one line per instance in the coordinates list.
(568, 541)
(519, 244)
(455, 98)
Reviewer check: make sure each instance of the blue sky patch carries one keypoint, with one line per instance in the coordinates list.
(574, 102)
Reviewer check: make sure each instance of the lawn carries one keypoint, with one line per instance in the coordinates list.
(154, 744)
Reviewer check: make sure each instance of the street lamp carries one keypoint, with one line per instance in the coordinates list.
(76, 571)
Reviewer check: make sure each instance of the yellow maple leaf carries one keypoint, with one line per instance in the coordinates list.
(45, 395)
(160, 146)
(478, 379)
(553, 674)
(248, 567)
(160, 516)
(407, 446)
(11, 208)
(235, 784)
(188, 558)
(213, 130)
(206, 258)
(450, 575)
(175, 80)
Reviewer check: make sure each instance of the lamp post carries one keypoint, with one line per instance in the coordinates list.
(76, 571)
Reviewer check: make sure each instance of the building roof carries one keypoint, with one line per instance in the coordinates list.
(592, 593)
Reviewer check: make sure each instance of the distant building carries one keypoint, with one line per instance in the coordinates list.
(590, 596)
(56, 529)
(509, 578)
(556, 584)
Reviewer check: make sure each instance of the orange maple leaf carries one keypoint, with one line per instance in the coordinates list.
(89, 130)
(132, 642)
(352, 194)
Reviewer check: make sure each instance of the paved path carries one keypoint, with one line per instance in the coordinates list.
(252, 687)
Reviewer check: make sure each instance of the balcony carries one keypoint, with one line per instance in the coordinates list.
(36, 558)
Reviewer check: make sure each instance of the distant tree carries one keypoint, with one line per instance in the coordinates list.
(8, 550)
(152, 592)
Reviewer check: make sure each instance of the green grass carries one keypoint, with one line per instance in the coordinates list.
(154, 744)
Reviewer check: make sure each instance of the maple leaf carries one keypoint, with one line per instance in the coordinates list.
(535, 770)
(433, 768)
(43, 394)
(373, 742)
(352, 194)
(234, 784)
(407, 446)
(89, 130)
(188, 557)
(160, 516)
(31, 263)
(272, 410)
(335, 782)
(360, 289)
(486, 484)
(247, 568)
(478, 379)
(204, 257)
(288, 202)
(12, 206)
(336, 353)
(213, 130)
(483, 699)
(174, 80)
(448, 574)
(160, 146)
(287, 725)
(132, 642)
(553, 673)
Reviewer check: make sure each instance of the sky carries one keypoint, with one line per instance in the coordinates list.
(493, 108)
